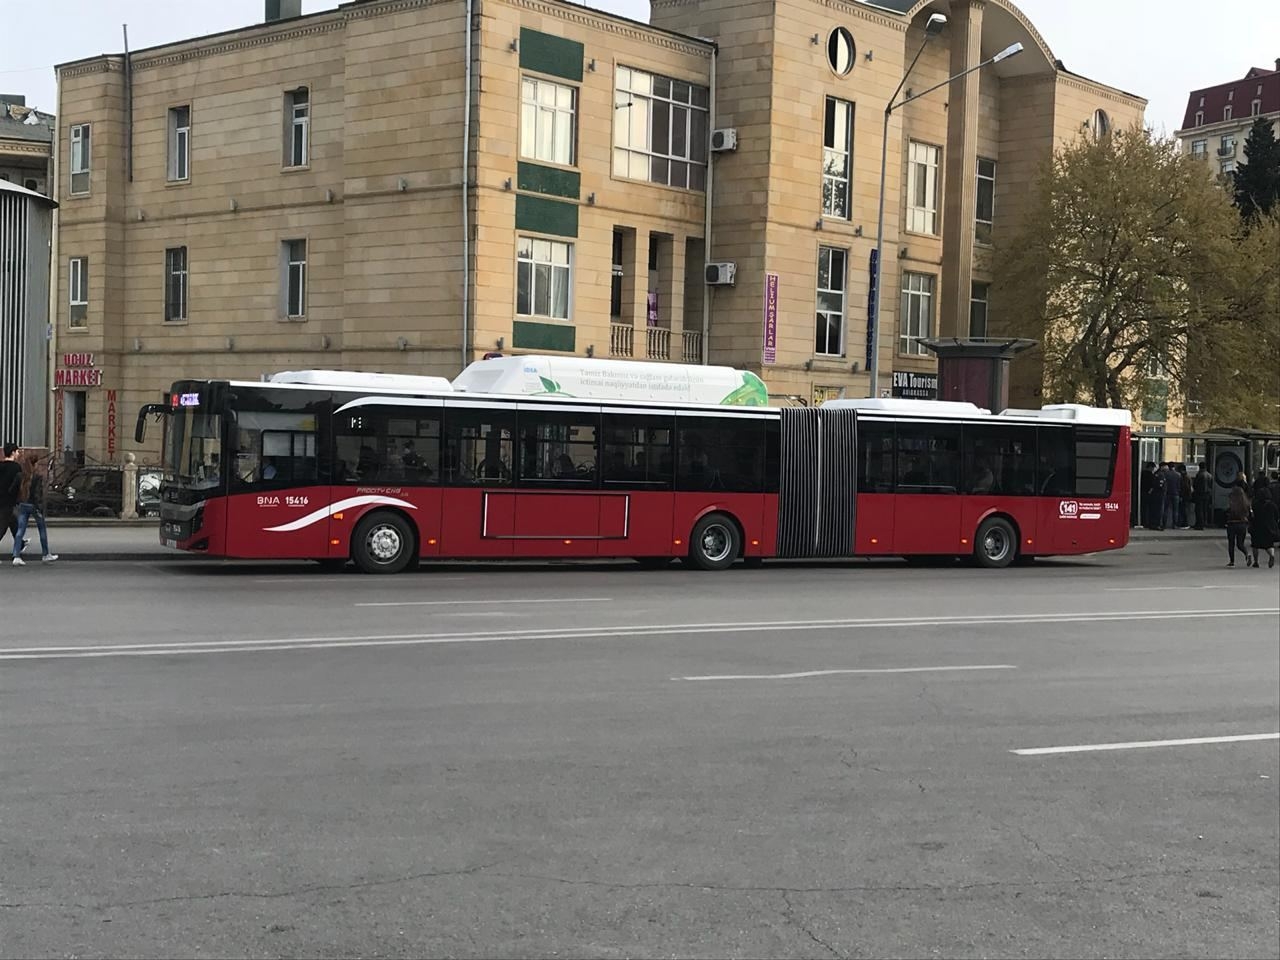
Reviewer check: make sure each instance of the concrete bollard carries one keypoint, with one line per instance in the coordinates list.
(129, 502)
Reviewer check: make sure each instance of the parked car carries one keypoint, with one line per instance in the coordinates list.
(97, 491)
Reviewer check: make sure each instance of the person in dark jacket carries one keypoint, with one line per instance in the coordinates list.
(1148, 495)
(1237, 519)
(1202, 493)
(1184, 496)
(10, 484)
(1172, 496)
(31, 505)
(1264, 526)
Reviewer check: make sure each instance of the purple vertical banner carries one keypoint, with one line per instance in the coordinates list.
(770, 318)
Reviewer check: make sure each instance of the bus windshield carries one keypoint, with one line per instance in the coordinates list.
(193, 445)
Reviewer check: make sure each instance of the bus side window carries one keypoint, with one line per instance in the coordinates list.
(478, 447)
(1055, 470)
(558, 447)
(637, 450)
(875, 457)
(720, 454)
(928, 458)
(1095, 454)
(999, 459)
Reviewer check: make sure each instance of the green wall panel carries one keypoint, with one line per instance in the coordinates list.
(528, 335)
(546, 216)
(549, 180)
(555, 56)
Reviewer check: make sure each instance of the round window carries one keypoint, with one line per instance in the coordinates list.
(840, 51)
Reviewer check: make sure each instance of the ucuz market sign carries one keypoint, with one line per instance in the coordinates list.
(77, 370)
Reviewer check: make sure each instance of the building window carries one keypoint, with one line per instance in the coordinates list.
(917, 313)
(1231, 94)
(297, 115)
(175, 284)
(986, 200)
(837, 147)
(1101, 124)
(1228, 147)
(543, 278)
(80, 143)
(840, 51)
(660, 130)
(1226, 112)
(1199, 118)
(615, 279)
(978, 309)
(922, 187)
(1228, 166)
(294, 255)
(78, 288)
(179, 143)
(1201, 102)
(831, 289)
(1255, 109)
(1199, 148)
(547, 128)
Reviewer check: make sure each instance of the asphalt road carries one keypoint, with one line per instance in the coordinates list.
(560, 760)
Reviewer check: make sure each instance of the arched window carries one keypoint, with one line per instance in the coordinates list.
(1101, 124)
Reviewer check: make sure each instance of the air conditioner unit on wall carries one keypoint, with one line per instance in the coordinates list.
(721, 274)
(724, 140)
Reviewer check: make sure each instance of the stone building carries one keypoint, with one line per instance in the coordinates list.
(1218, 118)
(700, 188)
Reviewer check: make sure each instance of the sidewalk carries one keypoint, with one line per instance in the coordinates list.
(1142, 535)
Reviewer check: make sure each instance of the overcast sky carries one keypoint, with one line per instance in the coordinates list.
(1159, 50)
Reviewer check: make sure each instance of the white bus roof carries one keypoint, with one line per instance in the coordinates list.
(933, 408)
(1112, 417)
(590, 379)
(353, 380)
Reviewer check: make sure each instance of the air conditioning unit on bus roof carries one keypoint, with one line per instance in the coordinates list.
(355, 380)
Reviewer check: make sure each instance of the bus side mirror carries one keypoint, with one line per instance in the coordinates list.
(157, 410)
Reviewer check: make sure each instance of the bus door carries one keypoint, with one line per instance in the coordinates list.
(387, 454)
(558, 504)
(477, 463)
(926, 511)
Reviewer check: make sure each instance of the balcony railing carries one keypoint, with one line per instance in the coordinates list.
(1227, 150)
(692, 346)
(622, 340)
(658, 343)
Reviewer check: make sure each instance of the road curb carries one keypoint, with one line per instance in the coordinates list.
(88, 523)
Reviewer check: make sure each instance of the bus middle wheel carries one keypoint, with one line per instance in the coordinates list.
(996, 544)
(715, 543)
(383, 543)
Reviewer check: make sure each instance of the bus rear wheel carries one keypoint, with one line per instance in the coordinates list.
(383, 543)
(715, 543)
(996, 544)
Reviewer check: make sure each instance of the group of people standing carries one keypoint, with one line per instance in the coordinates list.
(1256, 513)
(1170, 497)
(22, 477)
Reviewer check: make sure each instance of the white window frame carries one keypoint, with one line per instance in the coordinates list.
(837, 159)
(81, 157)
(924, 163)
(1226, 112)
(982, 228)
(837, 289)
(1199, 118)
(547, 266)
(78, 293)
(916, 321)
(980, 293)
(179, 272)
(1228, 166)
(297, 138)
(179, 145)
(548, 121)
(635, 94)
(1255, 108)
(293, 264)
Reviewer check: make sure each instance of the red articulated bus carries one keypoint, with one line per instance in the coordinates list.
(535, 457)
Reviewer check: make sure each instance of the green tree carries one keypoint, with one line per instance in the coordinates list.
(1256, 182)
(1128, 262)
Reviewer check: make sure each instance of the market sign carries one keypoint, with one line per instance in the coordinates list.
(77, 370)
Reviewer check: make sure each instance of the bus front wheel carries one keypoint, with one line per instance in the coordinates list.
(715, 543)
(383, 543)
(996, 544)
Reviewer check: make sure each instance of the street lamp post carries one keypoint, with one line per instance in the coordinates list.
(932, 28)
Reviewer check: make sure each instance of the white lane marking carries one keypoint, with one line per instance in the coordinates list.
(1215, 586)
(1142, 744)
(488, 603)
(832, 673)
(575, 633)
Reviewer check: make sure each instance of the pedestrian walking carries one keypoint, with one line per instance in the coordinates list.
(1184, 496)
(10, 485)
(31, 504)
(1237, 520)
(1202, 492)
(1264, 527)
